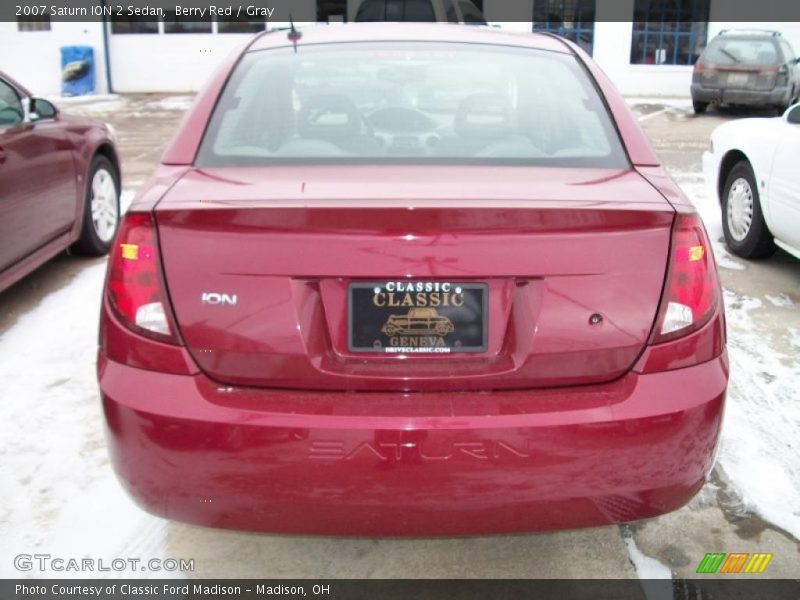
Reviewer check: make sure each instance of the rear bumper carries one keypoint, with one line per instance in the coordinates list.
(343, 463)
(778, 96)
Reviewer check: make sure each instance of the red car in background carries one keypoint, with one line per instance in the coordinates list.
(59, 183)
(327, 184)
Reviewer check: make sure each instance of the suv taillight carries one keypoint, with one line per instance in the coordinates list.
(691, 293)
(135, 285)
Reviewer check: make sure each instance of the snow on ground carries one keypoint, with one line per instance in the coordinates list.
(58, 486)
(133, 106)
(180, 103)
(795, 338)
(125, 199)
(100, 105)
(759, 447)
(85, 99)
(646, 566)
(780, 300)
(651, 571)
(666, 101)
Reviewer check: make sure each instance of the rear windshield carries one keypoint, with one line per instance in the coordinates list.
(742, 52)
(410, 102)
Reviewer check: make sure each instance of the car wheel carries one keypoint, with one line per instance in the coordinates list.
(699, 107)
(100, 210)
(743, 222)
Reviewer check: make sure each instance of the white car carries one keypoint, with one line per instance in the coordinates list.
(754, 169)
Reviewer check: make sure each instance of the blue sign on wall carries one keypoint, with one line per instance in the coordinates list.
(77, 70)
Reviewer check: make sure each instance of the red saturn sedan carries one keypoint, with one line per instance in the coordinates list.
(402, 279)
(59, 183)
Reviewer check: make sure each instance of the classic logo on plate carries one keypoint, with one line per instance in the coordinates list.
(417, 317)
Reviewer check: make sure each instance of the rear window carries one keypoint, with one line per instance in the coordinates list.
(742, 52)
(410, 102)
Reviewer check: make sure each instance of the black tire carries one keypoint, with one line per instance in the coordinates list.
(699, 107)
(758, 241)
(90, 243)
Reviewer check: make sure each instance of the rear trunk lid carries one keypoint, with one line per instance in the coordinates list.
(570, 264)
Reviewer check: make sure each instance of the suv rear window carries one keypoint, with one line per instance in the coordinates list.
(416, 102)
(742, 51)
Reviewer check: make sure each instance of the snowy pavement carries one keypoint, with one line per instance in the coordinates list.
(61, 497)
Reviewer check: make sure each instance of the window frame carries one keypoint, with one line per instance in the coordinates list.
(561, 8)
(655, 12)
(254, 25)
(173, 21)
(34, 24)
(113, 23)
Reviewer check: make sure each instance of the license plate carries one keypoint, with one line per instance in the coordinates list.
(417, 317)
(738, 78)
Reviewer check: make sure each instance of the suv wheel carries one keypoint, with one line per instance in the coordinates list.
(699, 107)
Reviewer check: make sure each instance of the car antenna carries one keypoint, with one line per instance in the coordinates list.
(293, 35)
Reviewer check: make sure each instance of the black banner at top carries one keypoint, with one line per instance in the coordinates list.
(281, 11)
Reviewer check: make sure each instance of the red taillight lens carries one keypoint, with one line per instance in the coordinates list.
(691, 293)
(135, 287)
(704, 69)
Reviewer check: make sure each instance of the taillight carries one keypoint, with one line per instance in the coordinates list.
(135, 286)
(704, 70)
(691, 292)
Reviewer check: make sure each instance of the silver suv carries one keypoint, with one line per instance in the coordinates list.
(746, 67)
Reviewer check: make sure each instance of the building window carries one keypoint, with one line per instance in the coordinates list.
(573, 19)
(669, 32)
(234, 25)
(133, 25)
(175, 24)
(41, 23)
(331, 11)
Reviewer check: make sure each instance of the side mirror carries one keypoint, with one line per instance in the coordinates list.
(42, 109)
(792, 115)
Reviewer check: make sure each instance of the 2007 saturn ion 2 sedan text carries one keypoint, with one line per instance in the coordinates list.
(405, 279)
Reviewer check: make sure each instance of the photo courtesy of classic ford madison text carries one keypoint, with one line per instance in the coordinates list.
(401, 290)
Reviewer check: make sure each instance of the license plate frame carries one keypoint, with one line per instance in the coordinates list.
(423, 327)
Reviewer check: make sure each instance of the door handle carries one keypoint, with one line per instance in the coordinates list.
(2, 155)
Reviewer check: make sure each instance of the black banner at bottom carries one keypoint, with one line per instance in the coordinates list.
(419, 589)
